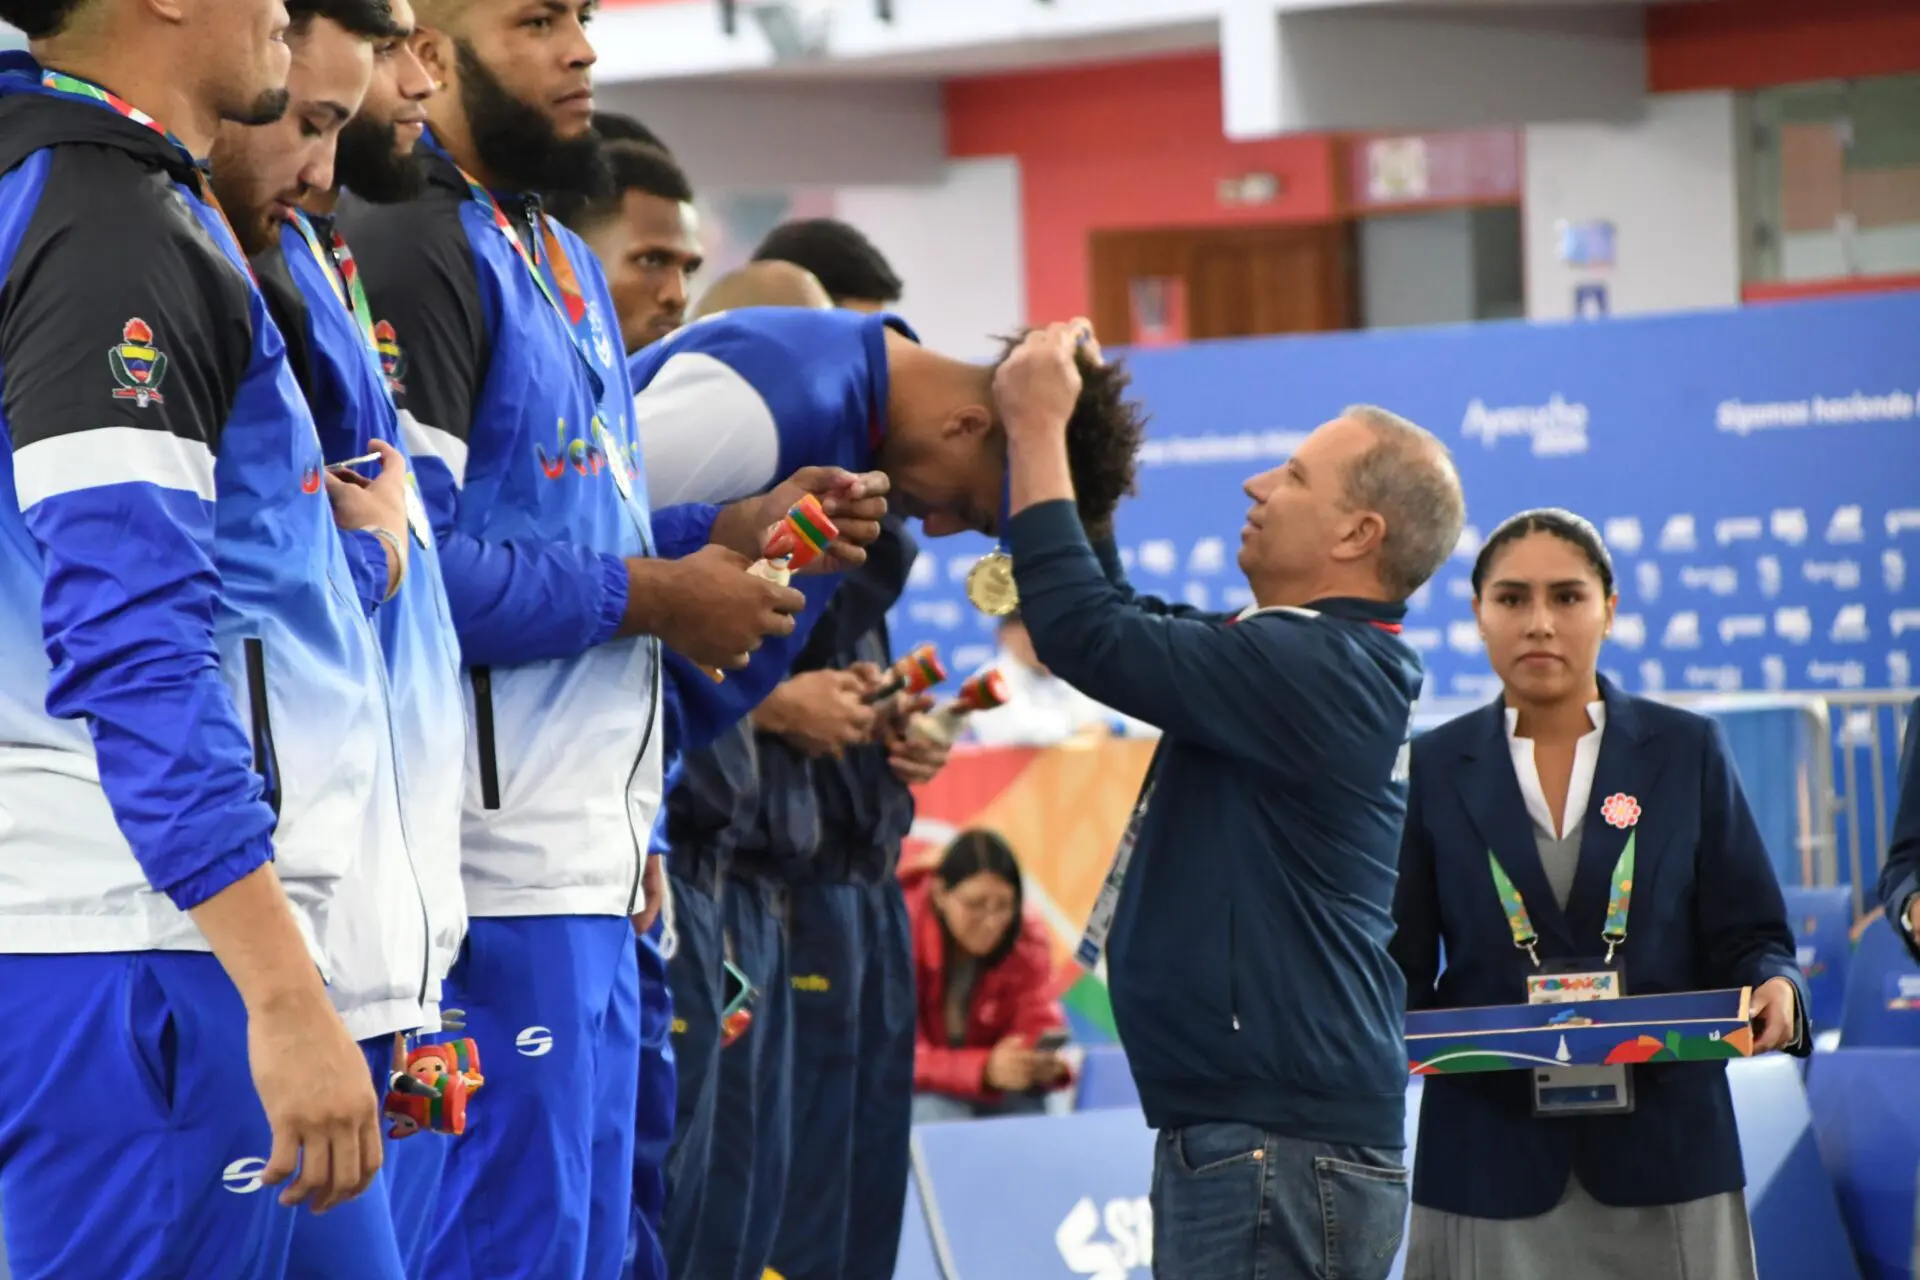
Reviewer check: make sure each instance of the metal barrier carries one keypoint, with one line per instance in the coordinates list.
(1843, 758)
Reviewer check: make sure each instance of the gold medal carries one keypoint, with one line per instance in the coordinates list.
(990, 585)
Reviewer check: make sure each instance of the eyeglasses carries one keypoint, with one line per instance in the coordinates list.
(982, 908)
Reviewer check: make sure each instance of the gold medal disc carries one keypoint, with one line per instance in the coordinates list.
(990, 585)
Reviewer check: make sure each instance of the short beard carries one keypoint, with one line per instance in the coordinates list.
(367, 164)
(518, 144)
(268, 108)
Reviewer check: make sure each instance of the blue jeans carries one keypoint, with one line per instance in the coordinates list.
(1231, 1202)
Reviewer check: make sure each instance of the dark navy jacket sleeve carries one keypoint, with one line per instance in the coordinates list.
(1900, 876)
(1246, 690)
(1740, 913)
(513, 602)
(1416, 906)
(116, 487)
(1109, 556)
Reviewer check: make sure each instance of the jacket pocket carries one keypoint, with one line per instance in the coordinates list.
(265, 762)
(483, 735)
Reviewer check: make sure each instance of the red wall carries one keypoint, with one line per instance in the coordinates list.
(1751, 44)
(1120, 146)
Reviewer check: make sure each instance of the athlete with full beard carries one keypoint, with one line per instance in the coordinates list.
(564, 588)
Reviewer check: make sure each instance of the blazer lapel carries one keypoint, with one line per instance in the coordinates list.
(1623, 780)
(1499, 812)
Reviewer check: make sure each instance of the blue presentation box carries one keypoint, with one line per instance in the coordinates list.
(1694, 1026)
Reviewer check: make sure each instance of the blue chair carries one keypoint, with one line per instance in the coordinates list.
(1106, 1082)
(1869, 1135)
(1882, 1009)
(1822, 921)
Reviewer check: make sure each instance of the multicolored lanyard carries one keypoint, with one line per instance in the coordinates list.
(571, 312)
(342, 273)
(573, 309)
(61, 82)
(1613, 932)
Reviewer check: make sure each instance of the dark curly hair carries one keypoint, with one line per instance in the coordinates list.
(39, 19)
(368, 19)
(840, 257)
(630, 166)
(1103, 436)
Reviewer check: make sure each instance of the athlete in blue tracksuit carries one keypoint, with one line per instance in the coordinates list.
(810, 389)
(305, 279)
(853, 983)
(520, 417)
(137, 619)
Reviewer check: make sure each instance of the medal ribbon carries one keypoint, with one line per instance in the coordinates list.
(74, 86)
(573, 309)
(1520, 923)
(342, 273)
(572, 312)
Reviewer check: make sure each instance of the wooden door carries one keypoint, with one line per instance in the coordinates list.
(1236, 281)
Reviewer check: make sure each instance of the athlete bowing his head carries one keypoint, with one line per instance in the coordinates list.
(275, 181)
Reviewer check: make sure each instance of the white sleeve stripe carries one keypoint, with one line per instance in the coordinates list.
(109, 456)
(444, 445)
(706, 435)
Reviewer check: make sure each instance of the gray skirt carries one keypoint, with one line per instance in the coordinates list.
(1582, 1239)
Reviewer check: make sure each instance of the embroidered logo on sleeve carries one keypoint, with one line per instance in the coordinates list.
(138, 366)
(393, 361)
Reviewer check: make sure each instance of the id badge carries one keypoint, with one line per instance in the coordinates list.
(1093, 943)
(417, 513)
(1582, 1090)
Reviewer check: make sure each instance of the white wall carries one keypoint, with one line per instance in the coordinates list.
(1417, 268)
(1668, 181)
(957, 244)
(744, 135)
(1313, 65)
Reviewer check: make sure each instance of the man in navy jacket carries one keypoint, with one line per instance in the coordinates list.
(1260, 1010)
(1900, 875)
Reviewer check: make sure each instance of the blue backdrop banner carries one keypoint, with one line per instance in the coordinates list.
(1756, 474)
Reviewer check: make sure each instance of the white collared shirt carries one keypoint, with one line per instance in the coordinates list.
(1586, 758)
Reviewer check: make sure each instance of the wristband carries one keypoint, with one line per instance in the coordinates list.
(399, 551)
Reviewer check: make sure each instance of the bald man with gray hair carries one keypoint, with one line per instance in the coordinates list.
(1246, 921)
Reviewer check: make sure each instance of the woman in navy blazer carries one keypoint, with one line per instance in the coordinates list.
(1548, 781)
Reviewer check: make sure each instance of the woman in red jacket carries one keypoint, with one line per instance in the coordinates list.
(984, 980)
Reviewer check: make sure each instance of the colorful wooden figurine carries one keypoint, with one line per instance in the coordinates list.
(914, 674)
(796, 542)
(981, 692)
(430, 1088)
(801, 537)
